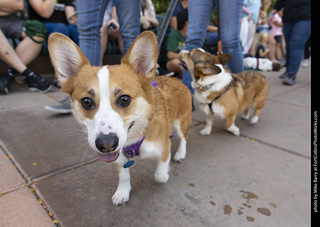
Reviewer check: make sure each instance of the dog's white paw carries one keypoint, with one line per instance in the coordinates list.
(254, 120)
(179, 156)
(206, 131)
(120, 196)
(234, 130)
(245, 117)
(161, 177)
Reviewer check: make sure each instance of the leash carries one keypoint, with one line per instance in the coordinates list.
(164, 24)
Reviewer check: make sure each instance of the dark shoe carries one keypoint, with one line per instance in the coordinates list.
(56, 83)
(289, 80)
(284, 75)
(5, 83)
(64, 106)
(164, 72)
(38, 83)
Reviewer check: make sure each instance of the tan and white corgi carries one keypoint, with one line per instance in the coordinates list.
(125, 109)
(222, 93)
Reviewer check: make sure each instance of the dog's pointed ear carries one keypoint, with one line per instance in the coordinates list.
(66, 57)
(143, 54)
(206, 68)
(222, 58)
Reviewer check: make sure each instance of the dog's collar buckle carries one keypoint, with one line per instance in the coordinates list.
(204, 88)
(131, 151)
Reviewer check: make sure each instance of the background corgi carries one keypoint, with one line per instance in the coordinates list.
(125, 109)
(222, 93)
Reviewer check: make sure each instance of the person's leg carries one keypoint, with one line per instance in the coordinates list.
(211, 38)
(73, 33)
(173, 66)
(129, 19)
(90, 16)
(299, 35)
(28, 50)
(199, 13)
(230, 16)
(272, 48)
(9, 56)
(287, 30)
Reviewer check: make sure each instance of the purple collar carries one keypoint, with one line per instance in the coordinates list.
(154, 84)
(133, 149)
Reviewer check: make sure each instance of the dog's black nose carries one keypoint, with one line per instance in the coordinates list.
(107, 143)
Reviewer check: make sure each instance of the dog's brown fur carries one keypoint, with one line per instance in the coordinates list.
(156, 109)
(245, 90)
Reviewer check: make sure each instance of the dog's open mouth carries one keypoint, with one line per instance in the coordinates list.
(183, 64)
(109, 157)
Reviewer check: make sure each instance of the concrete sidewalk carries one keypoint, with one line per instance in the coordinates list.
(49, 175)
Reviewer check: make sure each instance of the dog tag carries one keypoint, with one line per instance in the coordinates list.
(128, 164)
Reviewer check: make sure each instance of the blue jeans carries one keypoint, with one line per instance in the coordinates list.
(296, 35)
(199, 16)
(90, 16)
(69, 30)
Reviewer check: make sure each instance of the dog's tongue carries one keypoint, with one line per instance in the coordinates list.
(108, 157)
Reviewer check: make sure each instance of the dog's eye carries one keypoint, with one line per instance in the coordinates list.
(87, 103)
(124, 100)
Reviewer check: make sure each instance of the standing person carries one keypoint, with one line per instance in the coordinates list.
(296, 28)
(229, 25)
(251, 10)
(90, 16)
(276, 31)
(57, 16)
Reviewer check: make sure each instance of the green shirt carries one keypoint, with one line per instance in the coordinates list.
(175, 43)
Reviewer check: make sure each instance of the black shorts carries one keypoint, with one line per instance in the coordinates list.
(278, 38)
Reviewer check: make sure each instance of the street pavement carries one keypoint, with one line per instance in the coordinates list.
(50, 177)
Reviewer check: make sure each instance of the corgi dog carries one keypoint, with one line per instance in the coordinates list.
(127, 111)
(221, 93)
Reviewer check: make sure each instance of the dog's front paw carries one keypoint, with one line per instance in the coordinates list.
(161, 178)
(120, 196)
(234, 130)
(180, 155)
(254, 120)
(206, 131)
(245, 117)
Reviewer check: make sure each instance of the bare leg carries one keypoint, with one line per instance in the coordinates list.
(9, 56)
(173, 66)
(28, 50)
(272, 48)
